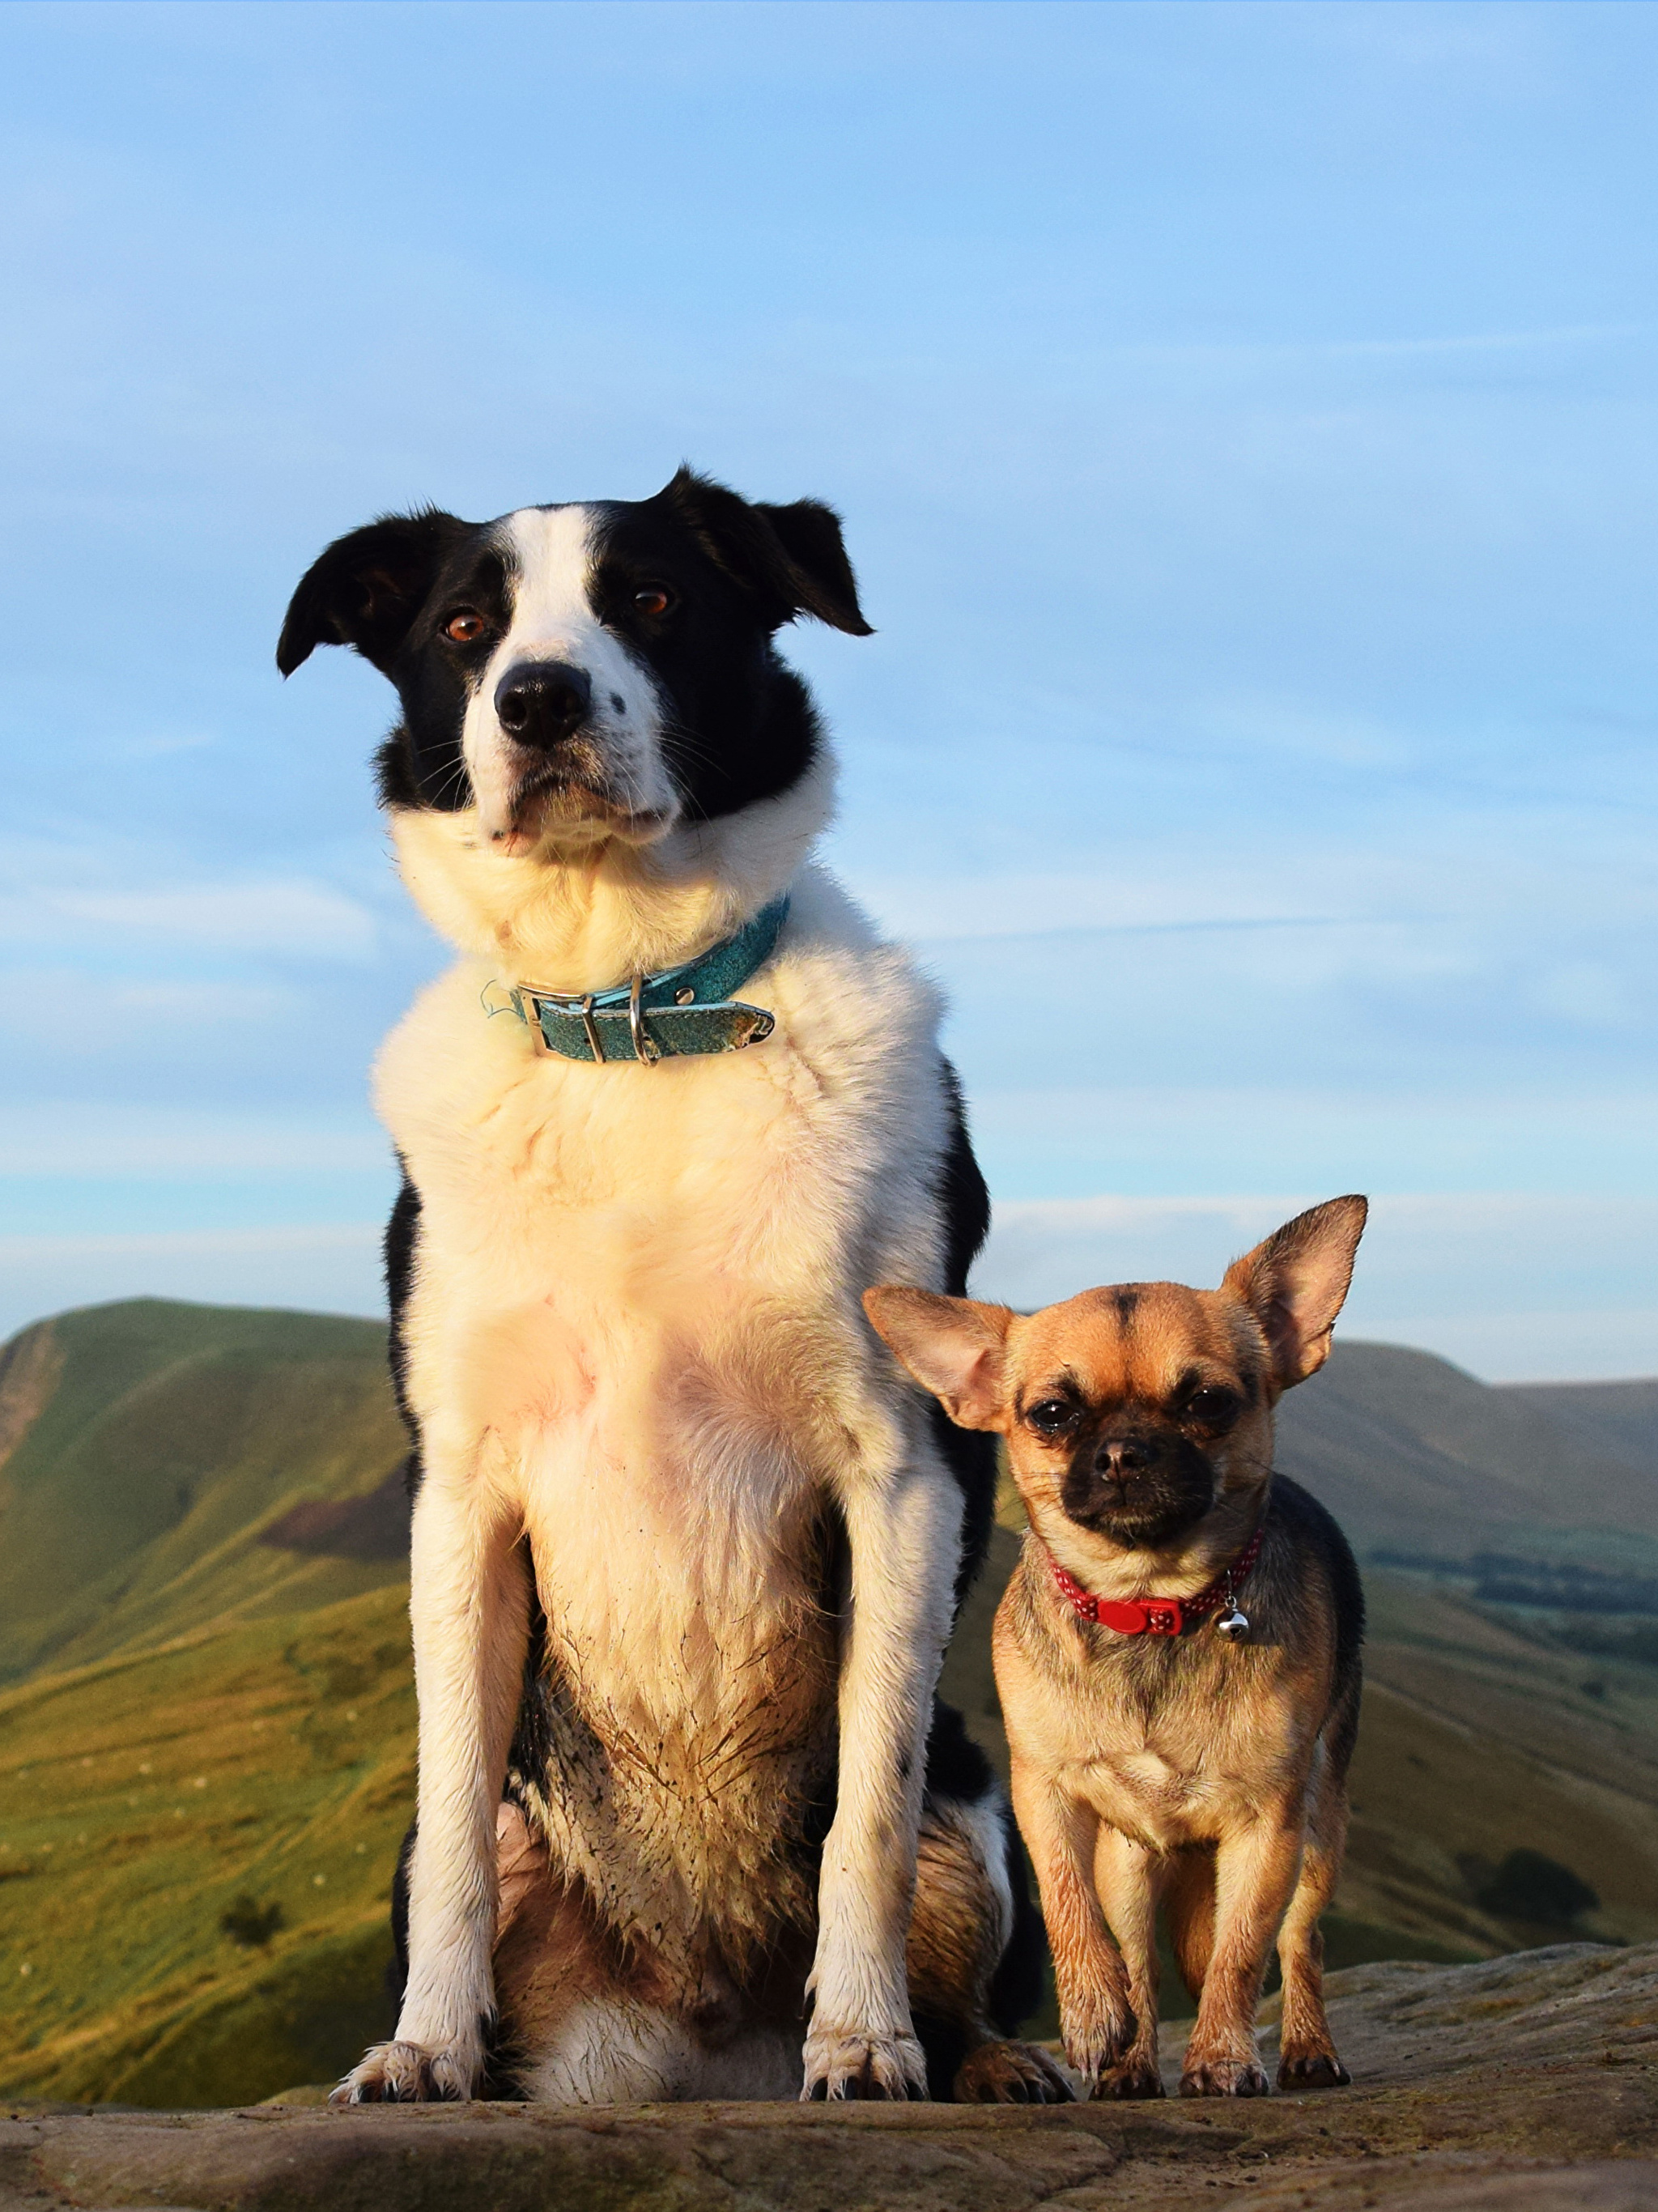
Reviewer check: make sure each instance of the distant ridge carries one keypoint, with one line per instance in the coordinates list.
(146, 1446)
(1412, 1453)
(1618, 1418)
(161, 1462)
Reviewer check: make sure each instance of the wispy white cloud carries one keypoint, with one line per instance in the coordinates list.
(82, 1013)
(287, 915)
(79, 1139)
(194, 1243)
(1238, 354)
(161, 744)
(1491, 868)
(1136, 895)
(1477, 1138)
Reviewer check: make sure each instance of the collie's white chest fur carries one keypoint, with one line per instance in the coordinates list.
(635, 1295)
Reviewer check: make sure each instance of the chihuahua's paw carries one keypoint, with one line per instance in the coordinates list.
(409, 2074)
(1223, 2077)
(841, 2065)
(1137, 2076)
(1098, 2037)
(1312, 2070)
(1010, 2073)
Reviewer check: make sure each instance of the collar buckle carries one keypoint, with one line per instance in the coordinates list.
(691, 1008)
(645, 1051)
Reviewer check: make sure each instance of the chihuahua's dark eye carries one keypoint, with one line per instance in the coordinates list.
(1212, 1406)
(654, 600)
(465, 627)
(1050, 1416)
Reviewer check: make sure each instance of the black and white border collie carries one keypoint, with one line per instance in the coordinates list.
(687, 1543)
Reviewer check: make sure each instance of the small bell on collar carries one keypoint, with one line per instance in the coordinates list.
(1232, 1624)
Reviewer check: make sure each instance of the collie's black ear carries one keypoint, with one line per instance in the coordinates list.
(792, 559)
(365, 590)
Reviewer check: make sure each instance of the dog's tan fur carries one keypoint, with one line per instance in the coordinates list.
(1198, 1774)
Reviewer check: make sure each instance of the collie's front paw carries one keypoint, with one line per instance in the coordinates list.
(851, 2066)
(409, 2074)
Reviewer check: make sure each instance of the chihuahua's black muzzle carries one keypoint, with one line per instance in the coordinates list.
(1139, 1485)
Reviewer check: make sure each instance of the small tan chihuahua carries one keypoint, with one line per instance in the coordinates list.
(1178, 1650)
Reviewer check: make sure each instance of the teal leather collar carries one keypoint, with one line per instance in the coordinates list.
(678, 1010)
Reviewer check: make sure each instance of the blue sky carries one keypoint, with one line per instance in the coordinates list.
(1244, 420)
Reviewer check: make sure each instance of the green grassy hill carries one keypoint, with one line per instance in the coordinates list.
(150, 1450)
(261, 1772)
(207, 1741)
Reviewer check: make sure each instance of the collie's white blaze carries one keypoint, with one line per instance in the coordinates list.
(550, 552)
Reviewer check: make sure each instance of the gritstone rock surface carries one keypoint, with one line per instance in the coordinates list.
(1524, 2084)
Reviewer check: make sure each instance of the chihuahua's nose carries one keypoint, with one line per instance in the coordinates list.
(541, 702)
(1119, 1456)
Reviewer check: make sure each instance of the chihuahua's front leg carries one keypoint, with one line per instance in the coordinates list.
(904, 1534)
(1126, 1873)
(1096, 2013)
(469, 1603)
(1256, 1869)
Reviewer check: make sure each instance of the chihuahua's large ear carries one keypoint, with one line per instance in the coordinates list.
(1295, 1283)
(952, 1346)
(365, 590)
(792, 559)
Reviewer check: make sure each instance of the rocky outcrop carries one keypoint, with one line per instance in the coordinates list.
(1525, 2084)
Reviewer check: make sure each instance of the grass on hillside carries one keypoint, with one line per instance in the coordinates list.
(144, 1796)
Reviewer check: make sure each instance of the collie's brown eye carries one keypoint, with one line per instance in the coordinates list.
(1050, 1416)
(654, 600)
(465, 627)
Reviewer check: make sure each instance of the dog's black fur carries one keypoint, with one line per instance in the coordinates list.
(1303, 1538)
(743, 726)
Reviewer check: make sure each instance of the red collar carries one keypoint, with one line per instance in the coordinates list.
(1157, 1616)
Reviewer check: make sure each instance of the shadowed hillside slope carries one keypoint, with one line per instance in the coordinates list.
(1412, 1453)
(1620, 1420)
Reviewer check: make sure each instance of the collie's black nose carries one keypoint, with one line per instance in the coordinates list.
(541, 702)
